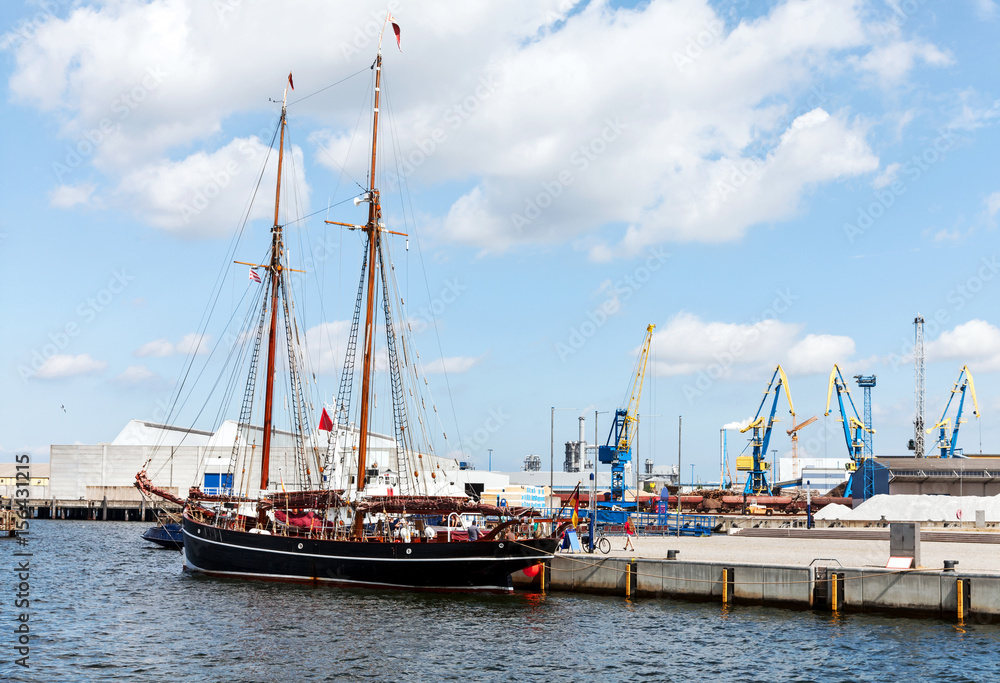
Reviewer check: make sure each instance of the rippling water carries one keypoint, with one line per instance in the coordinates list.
(107, 606)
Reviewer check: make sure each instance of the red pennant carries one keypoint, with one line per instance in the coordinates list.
(325, 423)
(290, 84)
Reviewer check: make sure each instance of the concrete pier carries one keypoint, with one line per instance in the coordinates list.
(841, 575)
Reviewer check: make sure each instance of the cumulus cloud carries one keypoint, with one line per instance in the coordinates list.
(137, 376)
(162, 348)
(69, 196)
(452, 365)
(817, 353)
(687, 345)
(535, 121)
(976, 343)
(66, 365)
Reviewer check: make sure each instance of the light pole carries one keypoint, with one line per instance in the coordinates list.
(680, 421)
(491, 458)
(552, 450)
(593, 488)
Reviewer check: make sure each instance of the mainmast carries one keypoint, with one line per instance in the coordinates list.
(275, 268)
(373, 232)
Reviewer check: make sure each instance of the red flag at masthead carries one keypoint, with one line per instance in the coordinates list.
(395, 29)
(290, 84)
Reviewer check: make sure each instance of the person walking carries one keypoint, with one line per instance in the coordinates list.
(629, 533)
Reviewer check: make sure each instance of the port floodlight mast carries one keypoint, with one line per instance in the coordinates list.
(756, 465)
(947, 444)
(624, 426)
(853, 430)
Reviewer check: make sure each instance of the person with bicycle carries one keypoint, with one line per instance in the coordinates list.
(629, 533)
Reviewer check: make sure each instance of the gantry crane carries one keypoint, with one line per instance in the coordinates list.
(756, 465)
(618, 451)
(794, 433)
(946, 444)
(853, 430)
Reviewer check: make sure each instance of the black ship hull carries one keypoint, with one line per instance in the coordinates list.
(459, 566)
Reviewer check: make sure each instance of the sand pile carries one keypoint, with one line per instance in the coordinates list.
(917, 509)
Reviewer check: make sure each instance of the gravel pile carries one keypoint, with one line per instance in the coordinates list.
(916, 509)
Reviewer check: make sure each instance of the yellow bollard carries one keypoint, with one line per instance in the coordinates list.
(834, 592)
(961, 600)
(725, 586)
(628, 579)
(544, 567)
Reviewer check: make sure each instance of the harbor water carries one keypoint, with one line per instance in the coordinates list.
(107, 606)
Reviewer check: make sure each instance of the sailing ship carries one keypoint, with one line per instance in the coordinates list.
(357, 534)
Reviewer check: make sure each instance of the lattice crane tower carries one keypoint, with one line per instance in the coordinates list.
(866, 382)
(918, 374)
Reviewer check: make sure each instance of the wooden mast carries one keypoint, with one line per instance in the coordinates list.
(275, 268)
(372, 229)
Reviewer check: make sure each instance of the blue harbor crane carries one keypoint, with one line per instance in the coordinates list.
(853, 430)
(756, 465)
(618, 450)
(945, 443)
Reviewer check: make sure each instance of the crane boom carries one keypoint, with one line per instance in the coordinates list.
(945, 444)
(618, 450)
(757, 465)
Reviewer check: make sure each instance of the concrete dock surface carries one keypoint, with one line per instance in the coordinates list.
(972, 557)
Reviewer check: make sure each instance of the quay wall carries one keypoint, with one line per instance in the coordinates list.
(931, 593)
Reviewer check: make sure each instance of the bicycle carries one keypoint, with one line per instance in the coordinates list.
(602, 543)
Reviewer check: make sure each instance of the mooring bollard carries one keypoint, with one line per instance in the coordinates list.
(833, 591)
(725, 586)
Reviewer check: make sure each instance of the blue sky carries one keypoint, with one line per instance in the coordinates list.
(786, 182)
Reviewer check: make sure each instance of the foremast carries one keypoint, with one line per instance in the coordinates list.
(277, 246)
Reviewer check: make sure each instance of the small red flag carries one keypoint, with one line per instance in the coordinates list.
(325, 423)
(290, 84)
(395, 29)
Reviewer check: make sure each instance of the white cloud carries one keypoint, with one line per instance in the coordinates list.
(138, 376)
(817, 353)
(687, 344)
(891, 63)
(452, 365)
(533, 100)
(204, 194)
(985, 9)
(887, 176)
(741, 424)
(975, 343)
(992, 206)
(65, 365)
(162, 348)
(68, 196)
